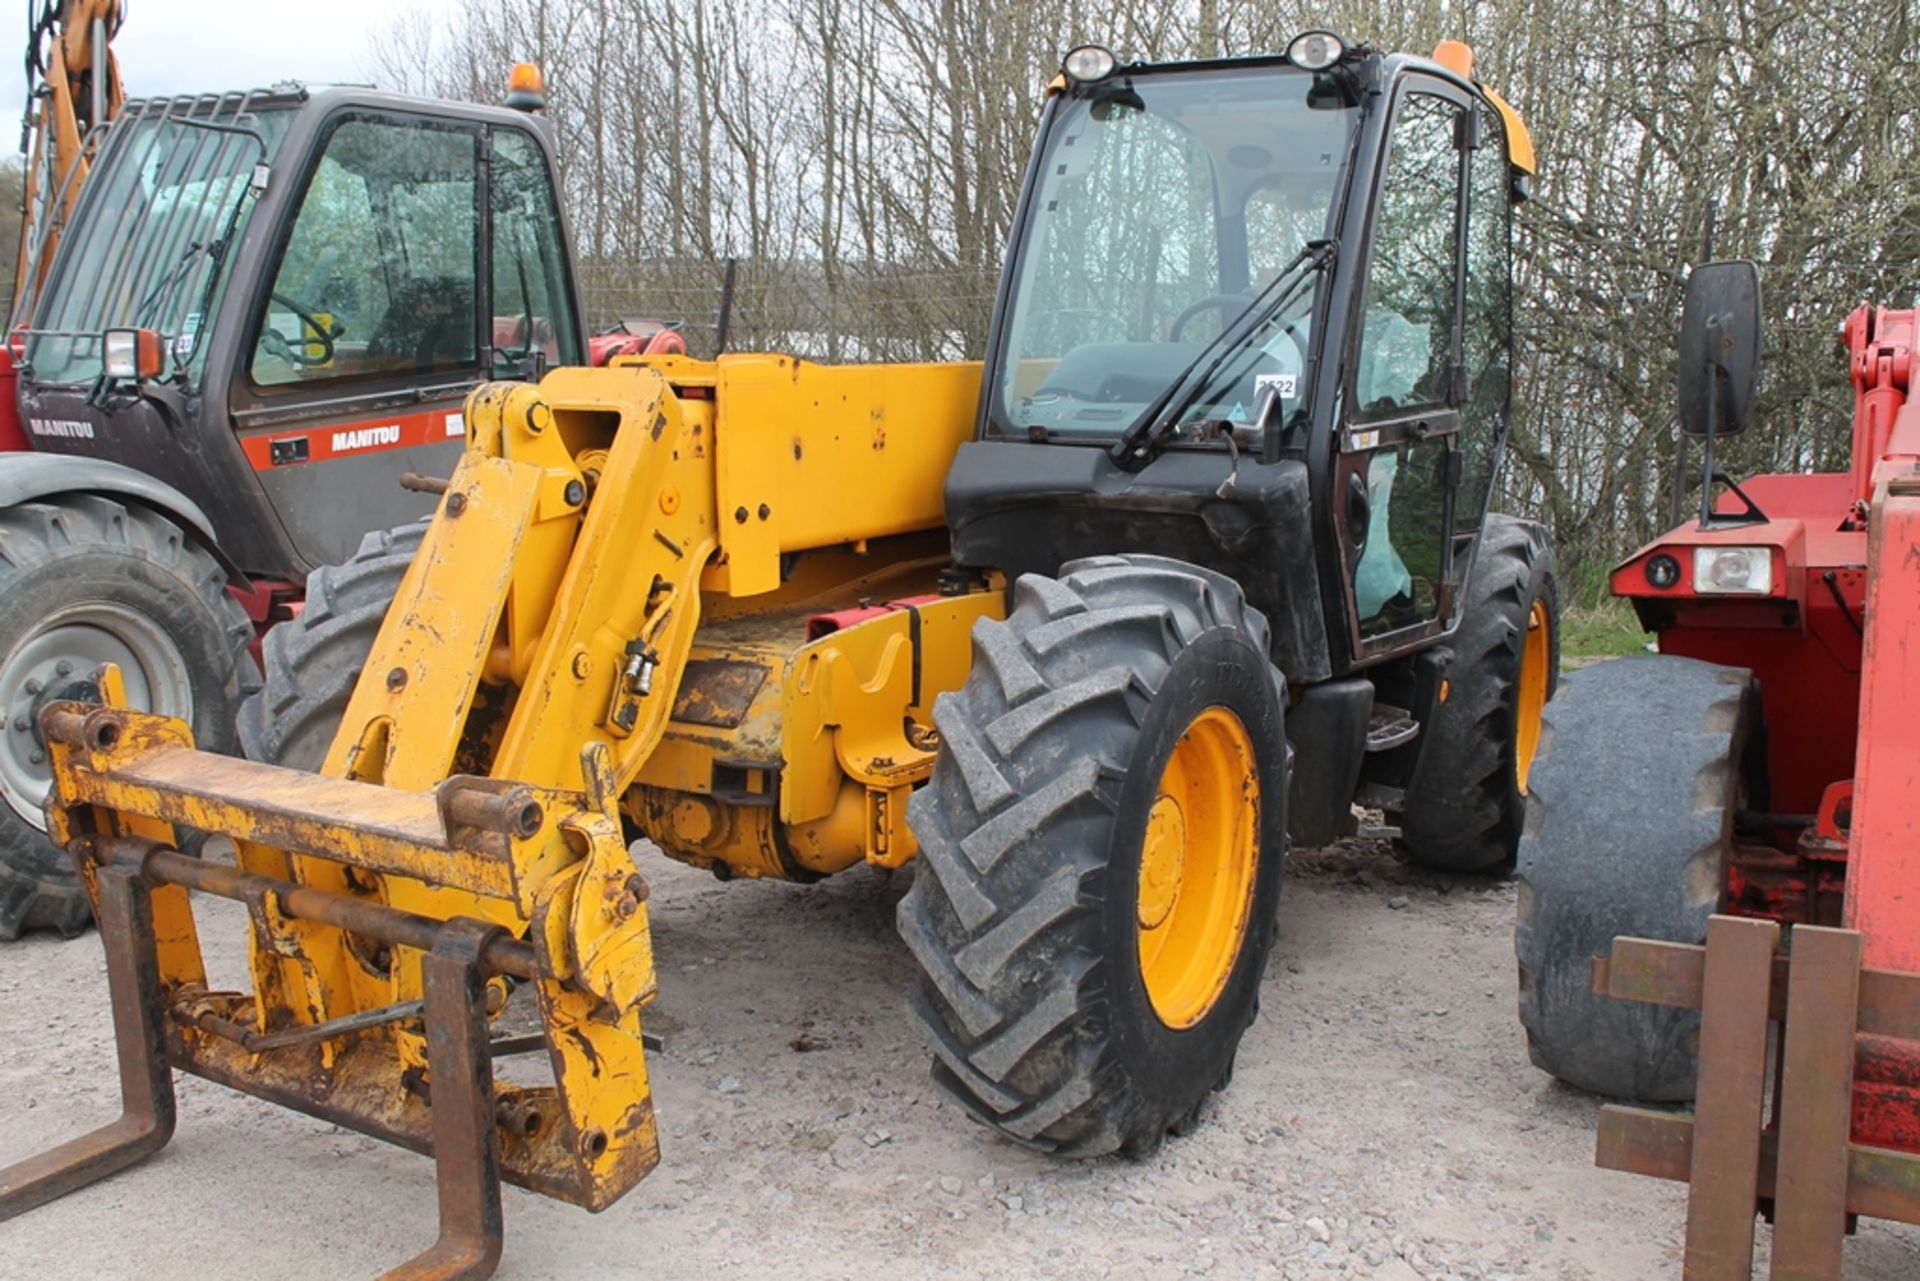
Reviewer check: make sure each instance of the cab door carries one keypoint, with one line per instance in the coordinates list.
(425, 254)
(1401, 463)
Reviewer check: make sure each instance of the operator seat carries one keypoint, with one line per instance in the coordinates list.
(430, 322)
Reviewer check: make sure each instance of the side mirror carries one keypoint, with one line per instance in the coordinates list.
(1719, 347)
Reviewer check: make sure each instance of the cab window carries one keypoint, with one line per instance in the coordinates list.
(1405, 366)
(1487, 336)
(1164, 208)
(533, 323)
(1406, 338)
(379, 274)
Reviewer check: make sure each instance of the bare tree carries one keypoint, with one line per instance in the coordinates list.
(861, 158)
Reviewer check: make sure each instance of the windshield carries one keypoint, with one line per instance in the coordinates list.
(1165, 204)
(168, 198)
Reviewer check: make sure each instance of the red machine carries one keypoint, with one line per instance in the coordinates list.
(1760, 869)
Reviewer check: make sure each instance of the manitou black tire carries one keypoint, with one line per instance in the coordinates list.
(1084, 726)
(314, 659)
(86, 580)
(1630, 824)
(1466, 801)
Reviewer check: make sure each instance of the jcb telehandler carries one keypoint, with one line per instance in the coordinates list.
(1199, 558)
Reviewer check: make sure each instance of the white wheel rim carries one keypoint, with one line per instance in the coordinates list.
(65, 650)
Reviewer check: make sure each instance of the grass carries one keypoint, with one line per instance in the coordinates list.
(1600, 631)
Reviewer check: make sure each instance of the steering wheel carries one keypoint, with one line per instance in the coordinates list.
(296, 354)
(1048, 392)
(1227, 304)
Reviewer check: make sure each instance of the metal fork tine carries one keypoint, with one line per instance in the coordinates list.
(125, 913)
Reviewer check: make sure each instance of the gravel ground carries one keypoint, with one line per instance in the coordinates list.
(1384, 1123)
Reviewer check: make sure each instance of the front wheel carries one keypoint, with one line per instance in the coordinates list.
(85, 580)
(1642, 768)
(1101, 848)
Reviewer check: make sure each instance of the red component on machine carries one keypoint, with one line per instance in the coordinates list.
(827, 624)
(268, 602)
(1826, 1125)
(661, 341)
(1880, 350)
(13, 435)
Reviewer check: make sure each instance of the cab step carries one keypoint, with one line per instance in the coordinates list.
(1390, 727)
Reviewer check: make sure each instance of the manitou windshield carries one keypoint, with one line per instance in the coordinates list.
(154, 232)
(1165, 205)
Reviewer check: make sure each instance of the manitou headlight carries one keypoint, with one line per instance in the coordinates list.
(1663, 571)
(1316, 50)
(1088, 63)
(1733, 570)
(130, 354)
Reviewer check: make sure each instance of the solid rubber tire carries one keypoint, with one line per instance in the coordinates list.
(1629, 828)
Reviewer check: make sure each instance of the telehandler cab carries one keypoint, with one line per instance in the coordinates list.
(1197, 559)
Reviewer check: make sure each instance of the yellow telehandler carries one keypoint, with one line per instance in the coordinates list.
(1195, 560)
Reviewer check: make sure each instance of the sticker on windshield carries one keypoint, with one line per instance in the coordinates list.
(1285, 386)
(189, 334)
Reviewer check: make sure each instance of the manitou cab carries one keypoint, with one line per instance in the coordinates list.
(266, 309)
(324, 277)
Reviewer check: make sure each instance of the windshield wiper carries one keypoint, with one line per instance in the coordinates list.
(1140, 442)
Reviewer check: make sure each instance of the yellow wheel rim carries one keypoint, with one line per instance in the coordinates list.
(1535, 660)
(1197, 868)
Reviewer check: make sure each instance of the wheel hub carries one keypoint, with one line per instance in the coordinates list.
(59, 661)
(1197, 866)
(1160, 862)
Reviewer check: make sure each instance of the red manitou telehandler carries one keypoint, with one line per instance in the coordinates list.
(1720, 876)
(243, 329)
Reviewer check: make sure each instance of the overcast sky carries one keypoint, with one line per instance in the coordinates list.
(169, 47)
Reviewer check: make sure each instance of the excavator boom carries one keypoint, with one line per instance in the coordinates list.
(75, 88)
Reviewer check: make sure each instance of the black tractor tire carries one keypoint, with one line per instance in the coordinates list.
(314, 659)
(86, 579)
(1466, 801)
(1643, 764)
(1022, 913)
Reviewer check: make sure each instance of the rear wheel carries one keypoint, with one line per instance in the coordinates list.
(1630, 826)
(314, 659)
(1466, 800)
(85, 580)
(1101, 850)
